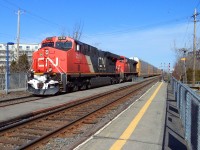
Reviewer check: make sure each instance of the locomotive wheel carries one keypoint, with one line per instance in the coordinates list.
(112, 81)
(88, 86)
(75, 88)
(83, 87)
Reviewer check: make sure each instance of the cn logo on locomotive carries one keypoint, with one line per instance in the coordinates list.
(41, 62)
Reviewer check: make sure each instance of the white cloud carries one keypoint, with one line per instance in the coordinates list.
(152, 45)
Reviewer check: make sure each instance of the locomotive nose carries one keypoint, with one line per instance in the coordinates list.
(43, 60)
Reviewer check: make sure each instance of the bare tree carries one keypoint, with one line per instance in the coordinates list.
(177, 73)
(182, 64)
(178, 65)
(77, 30)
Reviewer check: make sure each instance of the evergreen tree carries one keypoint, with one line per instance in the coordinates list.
(14, 67)
(22, 65)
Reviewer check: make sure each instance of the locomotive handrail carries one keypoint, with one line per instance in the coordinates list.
(58, 69)
(61, 69)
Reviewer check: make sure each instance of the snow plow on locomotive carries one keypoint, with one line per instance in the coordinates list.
(64, 64)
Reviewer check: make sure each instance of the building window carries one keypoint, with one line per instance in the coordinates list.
(36, 47)
(27, 47)
(20, 47)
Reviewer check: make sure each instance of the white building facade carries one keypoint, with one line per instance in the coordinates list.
(27, 49)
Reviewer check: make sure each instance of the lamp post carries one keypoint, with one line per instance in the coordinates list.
(7, 67)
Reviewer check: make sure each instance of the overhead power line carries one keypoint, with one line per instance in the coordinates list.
(42, 18)
(6, 7)
(33, 14)
(139, 27)
(11, 3)
(186, 31)
(198, 4)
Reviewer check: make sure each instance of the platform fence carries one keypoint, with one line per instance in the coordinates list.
(188, 102)
(17, 82)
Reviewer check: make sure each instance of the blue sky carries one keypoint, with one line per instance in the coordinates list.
(146, 29)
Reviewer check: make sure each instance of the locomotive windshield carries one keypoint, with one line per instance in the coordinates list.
(121, 59)
(49, 44)
(64, 45)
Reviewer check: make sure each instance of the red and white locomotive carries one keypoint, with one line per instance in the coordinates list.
(64, 64)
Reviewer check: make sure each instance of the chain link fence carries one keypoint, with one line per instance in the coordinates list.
(188, 102)
(17, 82)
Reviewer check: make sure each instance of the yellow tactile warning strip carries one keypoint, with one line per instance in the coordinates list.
(130, 129)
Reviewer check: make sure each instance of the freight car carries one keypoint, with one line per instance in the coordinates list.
(63, 64)
(145, 69)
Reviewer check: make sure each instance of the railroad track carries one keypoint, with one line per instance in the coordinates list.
(19, 100)
(69, 120)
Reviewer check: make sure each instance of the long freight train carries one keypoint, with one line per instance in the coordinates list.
(64, 64)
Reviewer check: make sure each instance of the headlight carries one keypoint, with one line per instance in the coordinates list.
(46, 51)
(50, 69)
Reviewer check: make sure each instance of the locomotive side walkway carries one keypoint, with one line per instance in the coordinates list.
(151, 123)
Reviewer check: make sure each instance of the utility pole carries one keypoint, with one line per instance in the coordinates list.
(19, 12)
(194, 47)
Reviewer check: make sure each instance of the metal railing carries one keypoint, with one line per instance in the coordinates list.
(17, 81)
(188, 102)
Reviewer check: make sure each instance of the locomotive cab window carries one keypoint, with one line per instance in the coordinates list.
(121, 59)
(49, 44)
(78, 47)
(64, 45)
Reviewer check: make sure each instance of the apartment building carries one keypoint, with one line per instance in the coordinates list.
(27, 49)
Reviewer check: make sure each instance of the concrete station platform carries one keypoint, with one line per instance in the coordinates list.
(143, 126)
